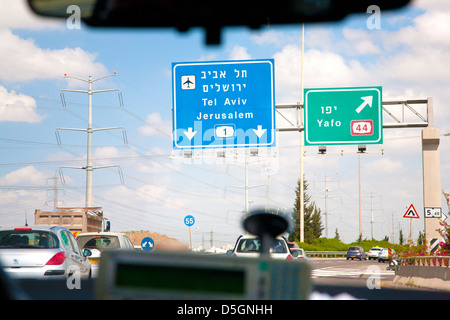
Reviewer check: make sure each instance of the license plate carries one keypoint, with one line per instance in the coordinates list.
(94, 260)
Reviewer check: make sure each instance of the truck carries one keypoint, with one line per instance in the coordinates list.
(76, 219)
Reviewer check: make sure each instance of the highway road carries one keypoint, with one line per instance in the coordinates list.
(333, 278)
(354, 279)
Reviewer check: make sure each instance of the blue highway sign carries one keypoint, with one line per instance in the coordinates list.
(223, 104)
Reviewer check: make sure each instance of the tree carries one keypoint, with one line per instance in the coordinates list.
(421, 238)
(337, 235)
(313, 224)
(401, 238)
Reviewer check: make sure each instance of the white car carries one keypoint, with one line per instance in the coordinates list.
(42, 252)
(96, 242)
(298, 253)
(374, 252)
(386, 255)
(250, 246)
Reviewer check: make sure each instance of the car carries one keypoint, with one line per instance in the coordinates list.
(250, 246)
(298, 253)
(356, 252)
(386, 255)
(99, 241)
(292, 245)
(374, 252)
(42, 252)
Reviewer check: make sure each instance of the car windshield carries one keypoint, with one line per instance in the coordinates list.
(353, 249)
(254, 245)
(36, 239)
(100, 242)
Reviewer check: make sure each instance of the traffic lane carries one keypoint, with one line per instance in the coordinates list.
(343, 272)
(359, 279)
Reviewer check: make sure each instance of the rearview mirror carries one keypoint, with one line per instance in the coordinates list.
(210, 15)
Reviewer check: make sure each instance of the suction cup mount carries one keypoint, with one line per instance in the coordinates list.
(267, 224)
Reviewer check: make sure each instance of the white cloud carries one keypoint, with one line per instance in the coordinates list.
(385, 165)
(433, 5)
(25, 175)
(239, 53)
(156, 126)
(321, 69)
(17, 107)
(23, 60)
(16, 14)
(270, 37)
(358, 42)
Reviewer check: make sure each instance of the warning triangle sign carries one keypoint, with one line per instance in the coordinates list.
(411, 213)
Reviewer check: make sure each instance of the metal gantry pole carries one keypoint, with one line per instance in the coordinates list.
(302, 202)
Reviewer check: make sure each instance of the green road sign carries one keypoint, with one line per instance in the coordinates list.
(335, 116)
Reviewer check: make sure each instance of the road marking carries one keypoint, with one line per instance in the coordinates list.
(349, 272)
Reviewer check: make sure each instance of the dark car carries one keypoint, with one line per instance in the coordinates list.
(355, 252)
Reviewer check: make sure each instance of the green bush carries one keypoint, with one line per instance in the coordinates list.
(324, 244)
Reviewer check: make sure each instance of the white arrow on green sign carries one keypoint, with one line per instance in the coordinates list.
(335, 116)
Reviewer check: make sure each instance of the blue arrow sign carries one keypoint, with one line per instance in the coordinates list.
(147, 244)
(223, 104)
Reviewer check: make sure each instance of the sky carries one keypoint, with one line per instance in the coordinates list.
(408, 55)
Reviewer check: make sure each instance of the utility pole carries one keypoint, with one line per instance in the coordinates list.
(89, 168)
(326, 213)
(326, 207)
(246, 187)
(55, 190)
(371, 214)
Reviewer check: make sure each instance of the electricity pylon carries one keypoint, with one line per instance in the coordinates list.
(89, 164)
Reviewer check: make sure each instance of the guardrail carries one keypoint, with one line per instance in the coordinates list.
(326, 254)
(432, 261)
(428, 272)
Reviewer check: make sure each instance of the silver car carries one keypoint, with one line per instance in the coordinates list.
(96, 242)
(42, 252)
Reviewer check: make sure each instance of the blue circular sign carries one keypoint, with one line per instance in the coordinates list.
(189, 220)
(147, 244)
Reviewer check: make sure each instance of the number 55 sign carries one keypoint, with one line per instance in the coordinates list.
(189, 220)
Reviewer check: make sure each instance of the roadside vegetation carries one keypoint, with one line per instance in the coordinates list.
(314, 242)
(324, 244)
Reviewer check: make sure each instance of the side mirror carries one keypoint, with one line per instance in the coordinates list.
(294, 253)
(87, 253)
(107, 226)
(229, 253)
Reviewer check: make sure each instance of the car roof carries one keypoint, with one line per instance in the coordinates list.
(101, 234)
(249, 236)
(35, 227)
